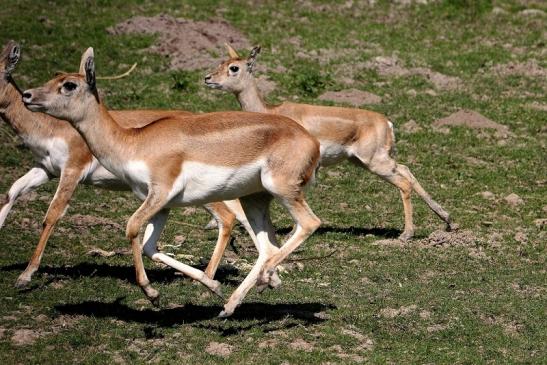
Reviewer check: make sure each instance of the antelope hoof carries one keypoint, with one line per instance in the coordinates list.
(22, 283)
(451, 227)
(275, 281)
(406, 235)
(216, 288)
(211, 225)
(228, 311)
(261, 287)
(152, 294)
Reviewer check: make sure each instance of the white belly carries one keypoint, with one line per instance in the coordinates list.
(97, 175)
(200, 183)
(332, 153)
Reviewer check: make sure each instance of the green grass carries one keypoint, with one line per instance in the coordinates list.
(478, 303)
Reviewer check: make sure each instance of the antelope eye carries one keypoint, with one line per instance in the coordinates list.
(234, 68)
(69, 86)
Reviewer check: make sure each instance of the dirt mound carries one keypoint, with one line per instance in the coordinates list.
(446, 239)
(471, 119)
(530, 68)
(23, 337)
(411, 127)
(187, 43)
(393, 66)
(435, 239)
(351, 96)
(219, 349)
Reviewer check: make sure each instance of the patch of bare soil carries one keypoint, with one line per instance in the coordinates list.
(25, 336)
(530, 68)
(393, 312)
(511, 328)
(437, 238)
(219, 349)
(393, 66)
(411, 127)
(537, 106)
(447, 239)
(513, 200)
(365, 343)
(351, 96)
(86, 221)
(187, 43)
(302, 345)
(268, 344)
(473, 120)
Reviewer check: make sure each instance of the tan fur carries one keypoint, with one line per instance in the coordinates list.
(36, 127)
(361, 136)
(283, 156)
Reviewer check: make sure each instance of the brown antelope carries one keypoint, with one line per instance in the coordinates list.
(360, 136)
(190, 160)
(60, 151)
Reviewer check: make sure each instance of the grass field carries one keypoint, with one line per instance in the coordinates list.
(352, 293)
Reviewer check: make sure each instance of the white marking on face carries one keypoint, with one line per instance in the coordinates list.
(199, 183)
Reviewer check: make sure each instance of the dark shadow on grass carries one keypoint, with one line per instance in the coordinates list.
(354, 231)
(91, 269)
(272, 316)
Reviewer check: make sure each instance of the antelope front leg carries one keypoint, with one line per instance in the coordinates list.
(306, 224)
(153, 203)
(256, 209)
(26, 183)
(151, 236)
(67, 184)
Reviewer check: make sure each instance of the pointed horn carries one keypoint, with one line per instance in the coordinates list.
(232, 52)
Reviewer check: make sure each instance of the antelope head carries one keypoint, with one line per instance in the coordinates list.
(67, 96)
(8, 60)
(235, 73)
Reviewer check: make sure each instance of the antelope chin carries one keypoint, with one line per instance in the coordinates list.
(213, 85)
(35, 107)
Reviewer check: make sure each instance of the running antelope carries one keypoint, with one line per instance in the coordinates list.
(61, 152)
(360, 136)
(179, 161)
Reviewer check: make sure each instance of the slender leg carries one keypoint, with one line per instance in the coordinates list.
(225, 220)
(153, 203)
(306, 224)
(400, 176)
(151, 235)
(26, 183)
(433, 205)
(67, 184)
(256, 209)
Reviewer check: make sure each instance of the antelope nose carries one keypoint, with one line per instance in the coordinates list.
(27, 96)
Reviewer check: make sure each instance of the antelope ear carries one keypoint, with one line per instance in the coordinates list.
(11, 55)
(231, 52)
(252, 58)
(89, 68)
(88, 53)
